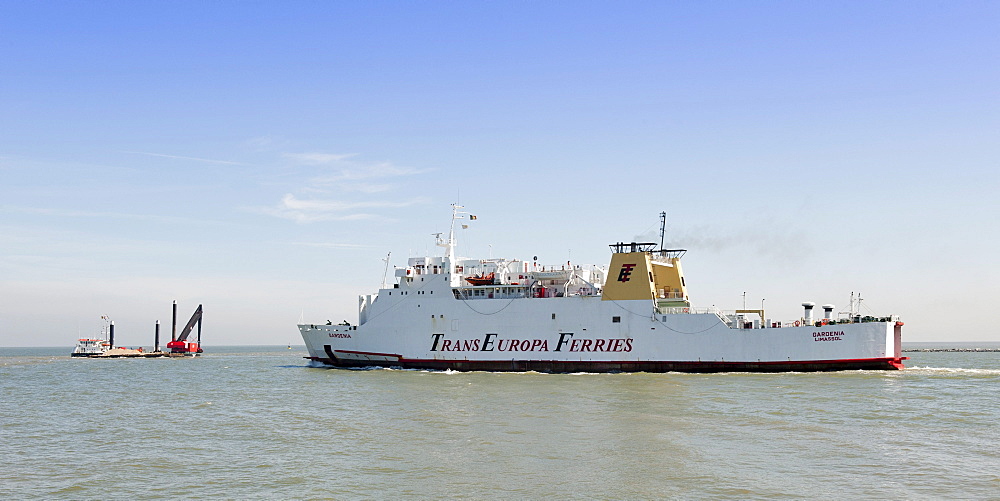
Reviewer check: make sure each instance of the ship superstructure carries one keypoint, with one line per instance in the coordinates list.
(444, 312)
(87, 347)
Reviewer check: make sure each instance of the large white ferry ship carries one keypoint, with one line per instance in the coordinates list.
(634, 315)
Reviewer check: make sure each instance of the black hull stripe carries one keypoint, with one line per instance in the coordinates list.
(329, 353)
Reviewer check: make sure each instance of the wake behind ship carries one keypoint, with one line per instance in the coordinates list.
(634, 315)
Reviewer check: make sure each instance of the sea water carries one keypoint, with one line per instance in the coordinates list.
(258, 423)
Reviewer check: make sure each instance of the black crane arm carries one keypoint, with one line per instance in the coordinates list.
(195, 319)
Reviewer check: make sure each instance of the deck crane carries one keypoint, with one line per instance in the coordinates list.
(179, 344)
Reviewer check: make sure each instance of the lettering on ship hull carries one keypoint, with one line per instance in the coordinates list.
(565, 343)
(828, 336)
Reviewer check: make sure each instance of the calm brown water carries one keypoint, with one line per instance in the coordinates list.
(255, 422)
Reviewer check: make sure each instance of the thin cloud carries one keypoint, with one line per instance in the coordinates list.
(312, 210)
(95, 214)
(292, 202)
(316, 158)
(266, 143)
(368, 188)
(331, 245)
(302, 217)
(370, 171)
(339, 182)
(179, 157)
(344, 169)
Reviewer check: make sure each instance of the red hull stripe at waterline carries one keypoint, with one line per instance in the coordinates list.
(622, 366)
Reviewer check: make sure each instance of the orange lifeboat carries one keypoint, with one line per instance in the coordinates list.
(486, 279)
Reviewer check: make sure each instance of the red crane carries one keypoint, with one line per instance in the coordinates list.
(179, 344)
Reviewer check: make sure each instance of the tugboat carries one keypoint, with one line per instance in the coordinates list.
(451, 313)
(87, 347)
(90, 347)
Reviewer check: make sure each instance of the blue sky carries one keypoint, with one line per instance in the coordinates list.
(261, 158)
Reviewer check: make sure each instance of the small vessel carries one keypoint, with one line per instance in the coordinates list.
(105, 348)
(92, 347)
(86, 347)
(635, 314)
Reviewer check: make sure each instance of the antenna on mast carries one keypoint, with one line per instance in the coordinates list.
(450, 244)
(386, 272)
(663, 227)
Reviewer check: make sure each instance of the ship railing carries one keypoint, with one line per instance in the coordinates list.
(740, 322)
(491, 292)
(666, 256)
(683, 310)
(675, 310)
(845, 319)
(512, 291)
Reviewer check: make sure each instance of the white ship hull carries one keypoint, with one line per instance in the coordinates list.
(579, 334)
(632, 316)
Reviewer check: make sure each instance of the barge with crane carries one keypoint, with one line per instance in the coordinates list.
(178, 346)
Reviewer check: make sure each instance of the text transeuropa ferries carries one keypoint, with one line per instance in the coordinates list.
(634, 315)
